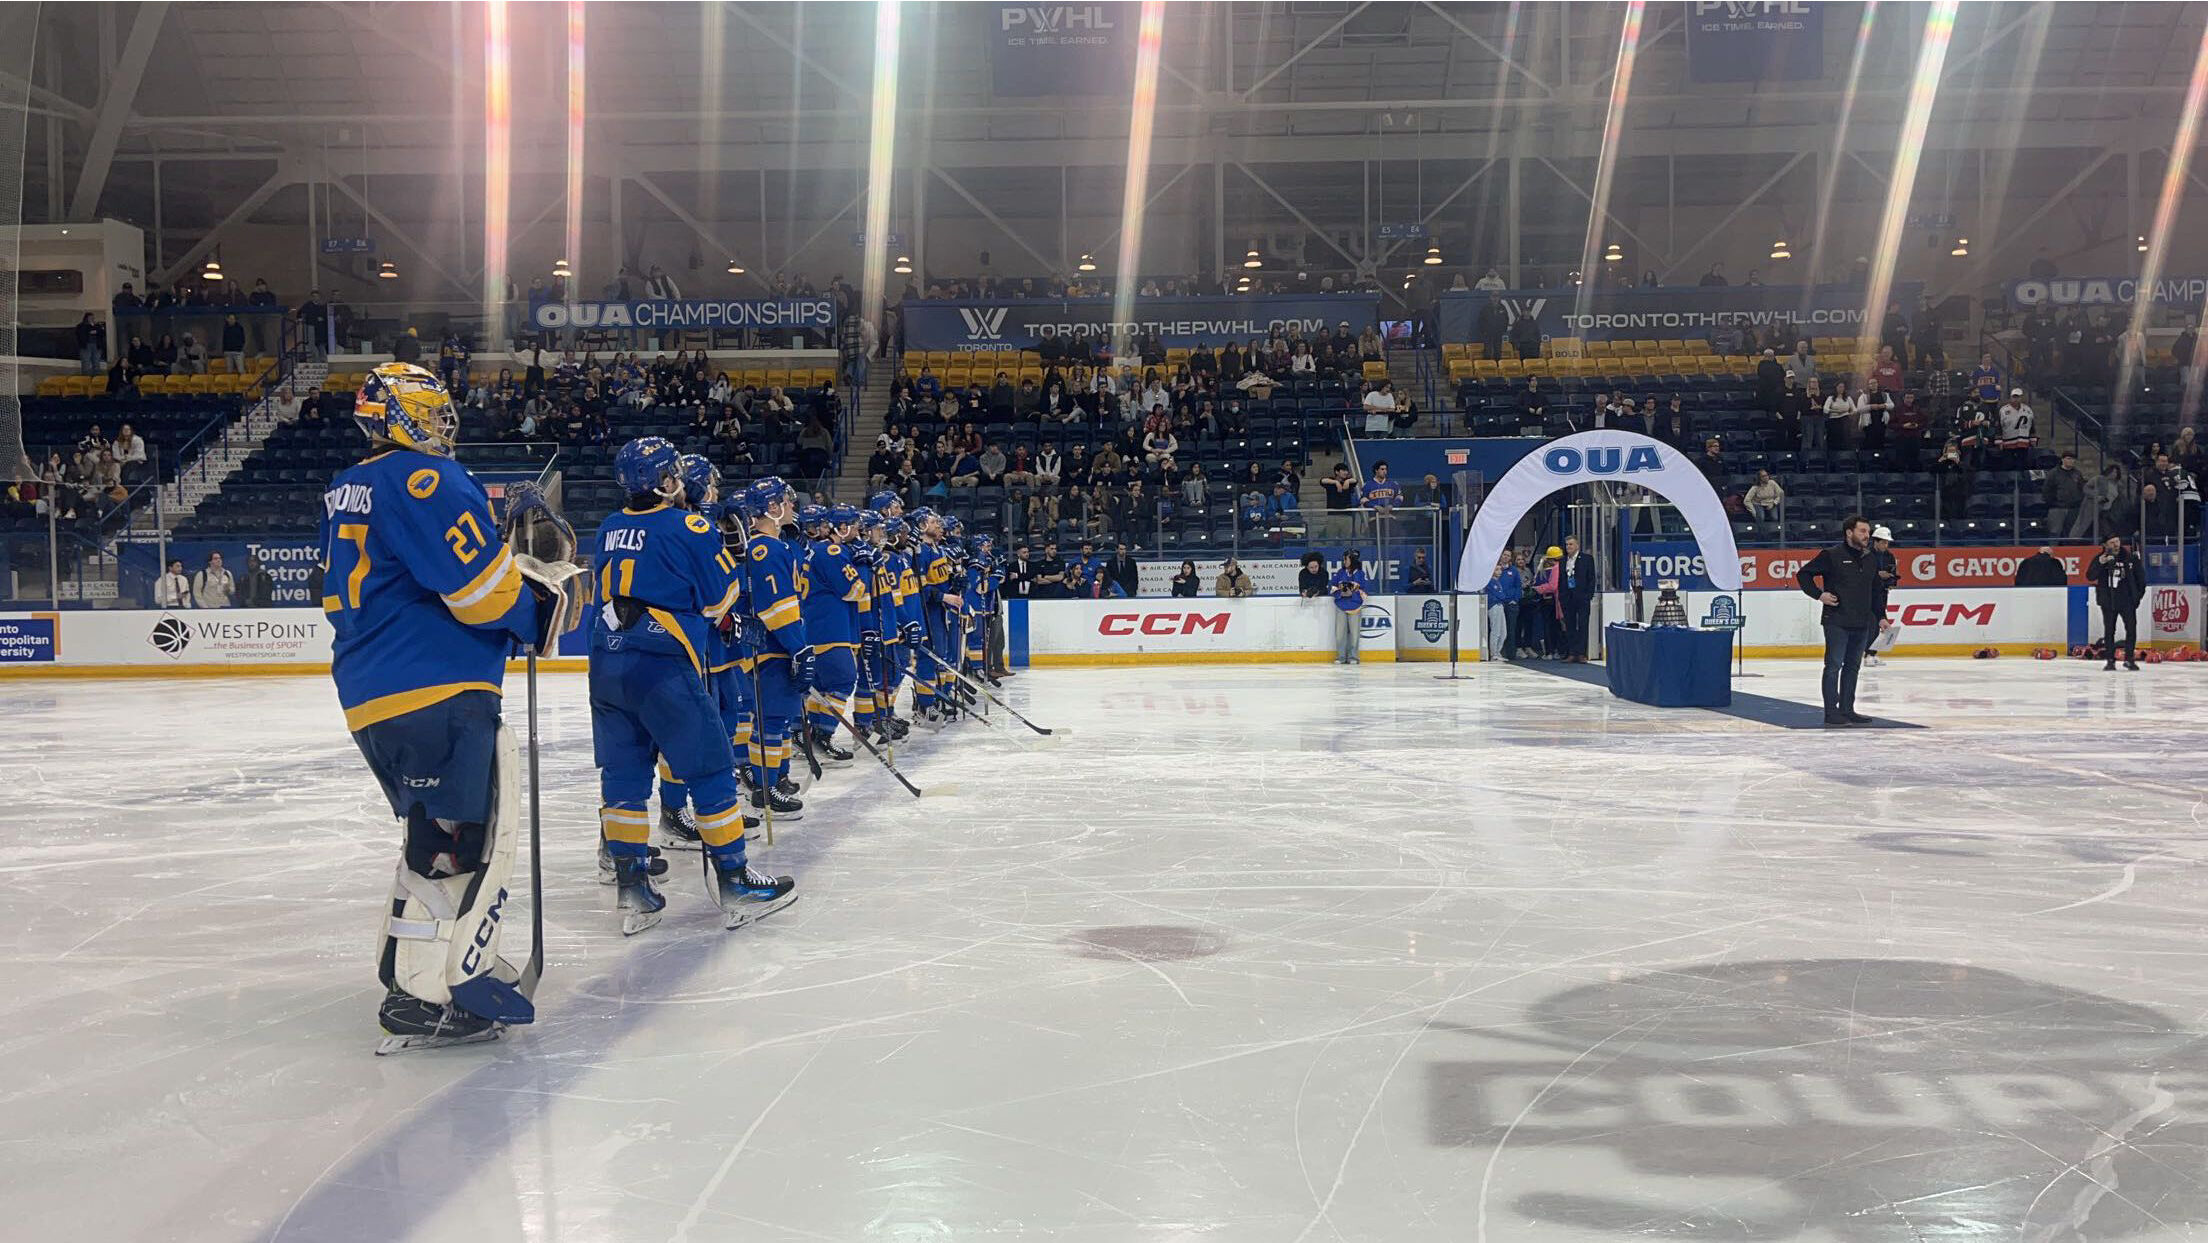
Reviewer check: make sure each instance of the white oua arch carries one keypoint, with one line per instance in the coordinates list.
(1601, 457)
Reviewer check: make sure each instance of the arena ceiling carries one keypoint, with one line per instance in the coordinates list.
(1286, 112)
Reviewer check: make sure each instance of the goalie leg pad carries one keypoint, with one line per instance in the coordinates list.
(449, 901)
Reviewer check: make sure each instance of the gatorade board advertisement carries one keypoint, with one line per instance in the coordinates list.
(1773, 569)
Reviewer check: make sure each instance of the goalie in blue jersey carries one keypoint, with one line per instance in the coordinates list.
(427, 603)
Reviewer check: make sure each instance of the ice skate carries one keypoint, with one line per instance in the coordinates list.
(784, 806)
(638, 900)
(747, 895)
(410, 1023)
(825, 748)
(607, 873)
(679, 827)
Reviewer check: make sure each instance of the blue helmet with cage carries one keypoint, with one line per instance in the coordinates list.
(767, 494)
(811, 518)
(700, 479)
(895, 528)
(648, 466)
(983, 545)
(954, 526)
(883, 501)
(871, 521)
(841, 514)
(404, 405)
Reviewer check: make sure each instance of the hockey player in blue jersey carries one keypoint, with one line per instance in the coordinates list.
(901, 625)
(427, 604)
(665, 578)
(866, 554)
(838, 592)
(782, 657)
(729, 682)
(981, 591)
(931, 566)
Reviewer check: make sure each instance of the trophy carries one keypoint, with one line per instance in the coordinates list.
(1669, 611)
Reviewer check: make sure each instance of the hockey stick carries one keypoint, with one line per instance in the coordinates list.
(890, 764)
(758, 720)
(986, 693)
(534, 971)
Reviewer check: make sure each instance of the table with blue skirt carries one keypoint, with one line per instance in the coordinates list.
(1670, 666)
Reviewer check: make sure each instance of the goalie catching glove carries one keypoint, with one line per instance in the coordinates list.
(543, 545)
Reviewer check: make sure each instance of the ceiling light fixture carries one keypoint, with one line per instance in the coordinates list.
(2141, 244)
(1253, 259)
(903, 266)
(1613, 253)
(1087, 264)
(735, 268)
(1962, 248)
(1433, 255)
(561, 270)
(388, 271)
(1779, 250)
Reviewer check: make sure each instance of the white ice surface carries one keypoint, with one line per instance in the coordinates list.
(1257, 954)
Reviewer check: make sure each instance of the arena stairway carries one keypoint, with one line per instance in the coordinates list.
(219, 462)
(866, 424)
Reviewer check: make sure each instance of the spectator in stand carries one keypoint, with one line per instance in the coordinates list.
(1844, 578)
(1765, 499)
(1380, 492)
(1801, 365)
(2158, 510)
(313, 318)
(1675, 427)
(1418, 576)
(1714, 277)
(1379, 405)
(1349, 587)
(1282, 509)
(1905, 431)
(993, 465)
(1490, 281)
(2042, 569)
(172, 590)
(213, 587)
(1233, 582)
(2063, 491)
(2182, 350)
(1874, 407)
(1341, 490)
(1840, 418)
(1049, 582)
(2119, 583)
(1712, 462)
(2113, 501)
(1311, 582)
(1951, 479)
(2015, 424)
(1894, 335)
(127, 299)
(1525, 336)
(1492, 324)
(1886, 371)
(164, 355)
(91, 346)
(260, 585)
(1370, 347)
(1184, 583)
(1575, 594)
(1502, 593)
(1770, 383)
(1533, 408)
(1124, 574)
(130, 455)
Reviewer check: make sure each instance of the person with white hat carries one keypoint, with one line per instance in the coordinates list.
(1889, 573)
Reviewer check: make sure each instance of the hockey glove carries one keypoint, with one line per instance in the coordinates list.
(801, 669)
(562, 589)
(911, 633)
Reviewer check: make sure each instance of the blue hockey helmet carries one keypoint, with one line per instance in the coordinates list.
(700, 479)
(843, 515)
(983, 545)
(954, 526)
(766, 495)
(895, 528)
(648, 466)
(812, 517)
(404, 405)
(882, 501)
(871, 521)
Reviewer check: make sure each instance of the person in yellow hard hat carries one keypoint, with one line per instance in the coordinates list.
(1544, 625)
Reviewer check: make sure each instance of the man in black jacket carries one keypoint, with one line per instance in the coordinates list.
(2042, 569)
(2119, 583)
(1575, 594)
(1844, 578)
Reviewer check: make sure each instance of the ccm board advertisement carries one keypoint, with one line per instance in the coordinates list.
(1101, 632)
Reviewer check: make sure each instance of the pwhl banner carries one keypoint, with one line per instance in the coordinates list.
(1018, 324)
(1696, 311)
(817, 313)
(2107, 291)
(1774, 568)
(1754, 40)
(1061, 49)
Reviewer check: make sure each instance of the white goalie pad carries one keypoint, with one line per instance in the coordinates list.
(568, 587)
(441, 934)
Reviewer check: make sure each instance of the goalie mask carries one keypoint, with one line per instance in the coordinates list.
(402, 404)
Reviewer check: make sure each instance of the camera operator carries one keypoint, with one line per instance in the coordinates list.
(2119, 582)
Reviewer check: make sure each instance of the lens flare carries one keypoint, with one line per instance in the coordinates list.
(1613, 134)
(1924, 90)
(1143, 112)
(2134, 348)
(1816, 251)
(575, 114)
(881, 159)
(498, 160)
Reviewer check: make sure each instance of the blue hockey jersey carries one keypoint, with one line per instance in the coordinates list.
(774, 583)
(426, 602)
(670, 561)
(835, 592)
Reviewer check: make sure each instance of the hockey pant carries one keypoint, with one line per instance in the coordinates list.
(836, 669)
(731, 686)
(452, 773)
(977, 631)
(928, 677)
(780, 706)
(647, 705)
(896, 671)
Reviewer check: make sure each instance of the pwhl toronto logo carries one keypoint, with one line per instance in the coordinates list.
(171, 636)
(984, 324)
(1841, 1099)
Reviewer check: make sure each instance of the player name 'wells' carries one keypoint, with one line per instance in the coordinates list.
(348, 498)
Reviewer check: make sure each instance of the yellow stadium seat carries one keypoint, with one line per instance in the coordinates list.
(53, 385)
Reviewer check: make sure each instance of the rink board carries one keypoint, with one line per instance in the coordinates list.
(1934, 621)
